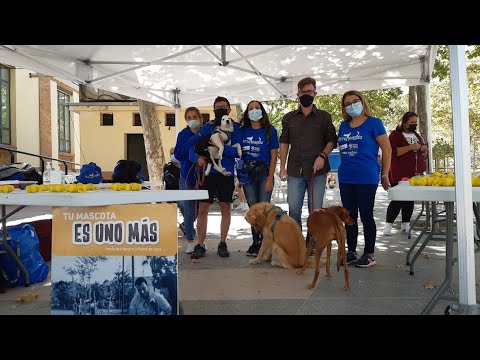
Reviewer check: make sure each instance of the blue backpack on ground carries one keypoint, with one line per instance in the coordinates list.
(24, 242)
(90, 174)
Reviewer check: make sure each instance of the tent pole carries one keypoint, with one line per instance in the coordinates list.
(463, 181)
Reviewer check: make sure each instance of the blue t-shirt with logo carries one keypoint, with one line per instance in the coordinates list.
(254, 143)
(359, 152)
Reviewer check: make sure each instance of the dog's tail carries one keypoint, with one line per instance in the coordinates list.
(341, 236)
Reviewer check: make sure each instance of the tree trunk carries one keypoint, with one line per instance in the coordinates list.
(153, 140)
(423, 116)
(422, 110)
(412, 99)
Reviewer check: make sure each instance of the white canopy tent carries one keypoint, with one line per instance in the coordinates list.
(193, 75)
(185, 75)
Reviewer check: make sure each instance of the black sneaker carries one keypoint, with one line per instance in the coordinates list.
(352, 258)
(365, 261)
(198, 252)
(222, 250)
(182, 227)
(253, 249)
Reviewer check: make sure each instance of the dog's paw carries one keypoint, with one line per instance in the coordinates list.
(310, 286)
(253, 262)
(300, 271)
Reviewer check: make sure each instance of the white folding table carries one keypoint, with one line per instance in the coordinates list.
(434, 194)
(89, 198)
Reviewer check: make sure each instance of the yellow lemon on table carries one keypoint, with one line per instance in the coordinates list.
(81, 188)
(31, 188)
(422, 181)
(60, 188)
(72, 188)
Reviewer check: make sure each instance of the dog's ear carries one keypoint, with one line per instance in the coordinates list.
(258, 219)
(345, 216)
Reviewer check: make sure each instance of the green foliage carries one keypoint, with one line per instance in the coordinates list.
(387, 104)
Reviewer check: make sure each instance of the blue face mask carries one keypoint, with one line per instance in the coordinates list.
(193, 124)
(355, 110)
(255, 114)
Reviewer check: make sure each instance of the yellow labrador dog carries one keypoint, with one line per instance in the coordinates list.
(283, 242)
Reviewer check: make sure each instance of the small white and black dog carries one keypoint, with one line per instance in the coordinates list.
(211, 147)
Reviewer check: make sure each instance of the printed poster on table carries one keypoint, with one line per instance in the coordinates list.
(114, 260)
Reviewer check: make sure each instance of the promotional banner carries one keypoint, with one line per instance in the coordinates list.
(114, 260)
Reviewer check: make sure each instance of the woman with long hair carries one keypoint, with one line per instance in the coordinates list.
(259, 141)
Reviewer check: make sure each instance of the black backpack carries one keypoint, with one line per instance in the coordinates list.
(127, 171)
(20, 171)
(171, 176)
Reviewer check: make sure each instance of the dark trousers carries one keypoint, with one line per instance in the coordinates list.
(394, 209)
(360, 197)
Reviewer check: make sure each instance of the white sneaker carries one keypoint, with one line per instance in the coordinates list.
(387, 231)
(190, 247)
(405, 227)
(242, 206)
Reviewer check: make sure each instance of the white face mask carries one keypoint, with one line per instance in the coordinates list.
(193, 124)
(255, 114)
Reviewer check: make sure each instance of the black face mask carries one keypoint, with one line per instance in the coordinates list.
(306, 100)
(412, 127)
(220, 112)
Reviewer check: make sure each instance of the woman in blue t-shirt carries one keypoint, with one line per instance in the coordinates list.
(259, 141)
(359, 137)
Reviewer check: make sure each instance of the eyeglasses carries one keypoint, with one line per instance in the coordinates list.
(356, 101)
(225, 107)
(309, 92)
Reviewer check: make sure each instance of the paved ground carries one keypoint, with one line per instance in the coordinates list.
(217, 285)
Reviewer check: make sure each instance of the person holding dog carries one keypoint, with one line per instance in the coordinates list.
(259, 141)
(408, 159)
(147, 302)
(193, 117)
(359, 137)
(308, 136)
(218, 185)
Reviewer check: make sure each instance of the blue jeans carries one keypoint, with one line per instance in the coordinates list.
(296, 187)
(255, 191)
(360, 197)
(189, 210)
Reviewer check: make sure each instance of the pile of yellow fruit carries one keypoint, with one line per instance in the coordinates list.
(126, 187)
(77, 188)
(61, 188)
(439, 179)
(6, 188)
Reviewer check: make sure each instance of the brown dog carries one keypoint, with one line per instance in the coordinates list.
(324, 226)
(285, 244)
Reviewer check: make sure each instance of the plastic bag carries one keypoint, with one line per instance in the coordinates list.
(26, 237)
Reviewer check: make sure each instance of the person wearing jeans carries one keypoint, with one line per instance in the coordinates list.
(359, 137)
(193, 117)
(308, 133)
(259, 141)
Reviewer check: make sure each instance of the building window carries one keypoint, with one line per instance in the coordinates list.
(107, 119)
(64, 144)
(169, 119)
(136, 119)
(205, 118)
(5, 105)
